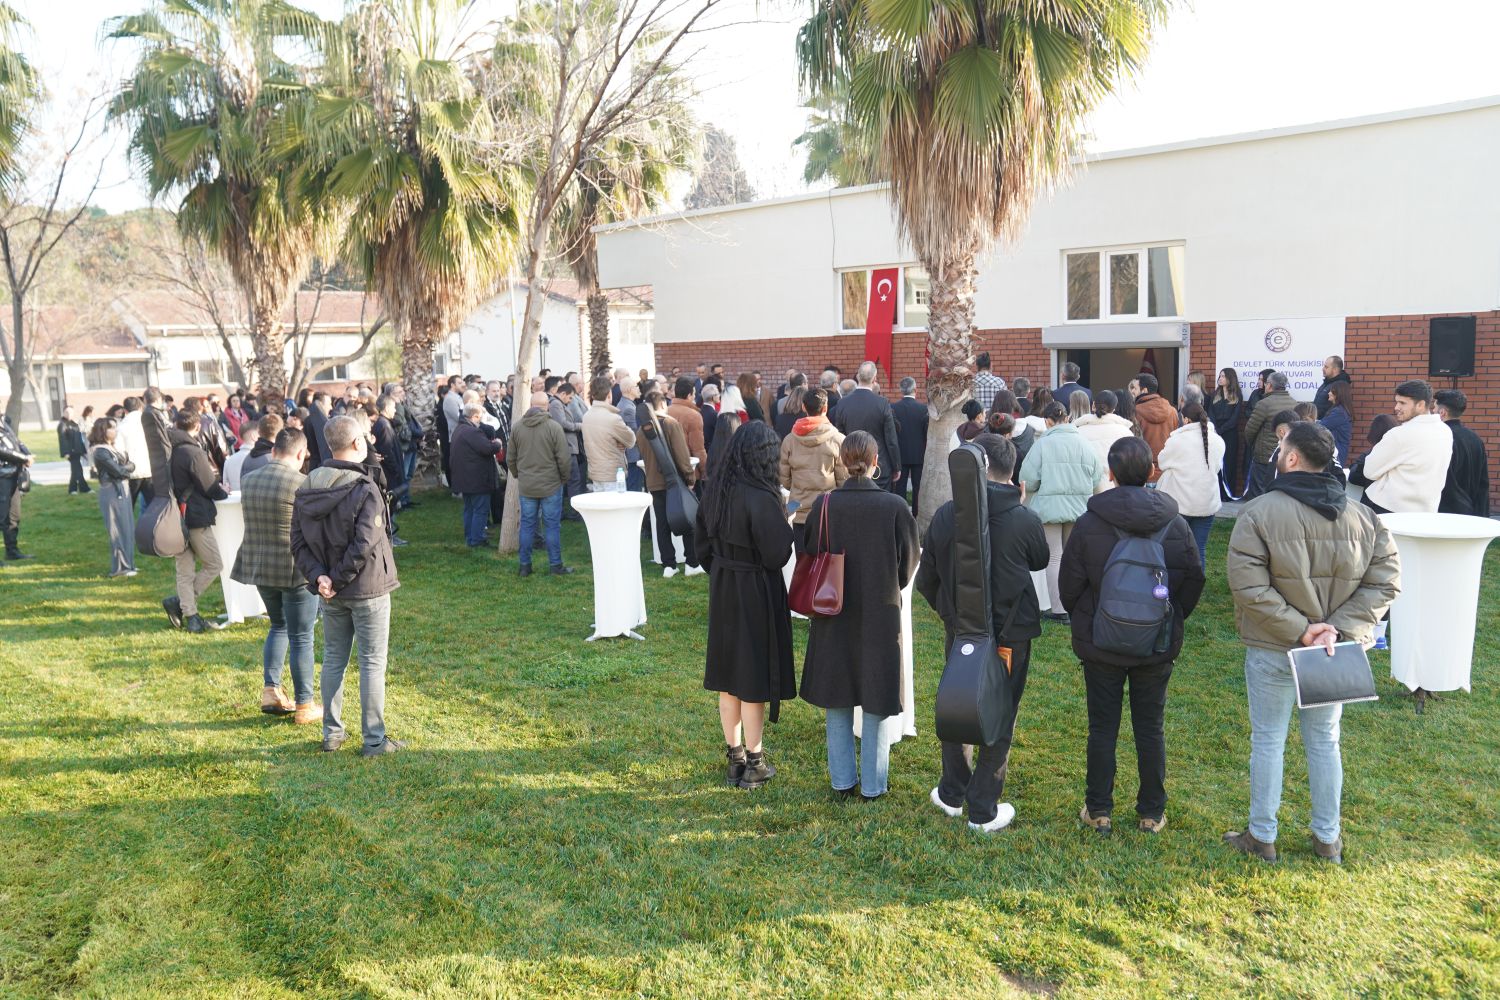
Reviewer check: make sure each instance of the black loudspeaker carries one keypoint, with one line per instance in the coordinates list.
(1450, 347)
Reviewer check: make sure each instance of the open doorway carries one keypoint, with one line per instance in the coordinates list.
(1114, 367)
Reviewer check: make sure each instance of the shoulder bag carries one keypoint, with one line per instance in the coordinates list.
(682, 505)
(818, 580)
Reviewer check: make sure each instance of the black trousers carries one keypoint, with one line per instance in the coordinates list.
(982, 784)
(1105, 689)
(10, 511)
(664, 534)
(911, 475)
(77, 482)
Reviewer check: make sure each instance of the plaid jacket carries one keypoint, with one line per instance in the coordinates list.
(265, 556)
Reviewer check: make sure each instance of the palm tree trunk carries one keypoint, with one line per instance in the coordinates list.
(421, 393)
(950, 379)
(269, 344)
(598, 332)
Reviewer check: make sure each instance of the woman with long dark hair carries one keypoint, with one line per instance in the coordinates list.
(744, 541)
(1189, 464)
(746, 385)
(724, 427)
(1224, 409)
(854, 657)
(1338, 421)
(114, 471)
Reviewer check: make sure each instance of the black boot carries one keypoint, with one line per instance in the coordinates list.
(736, 757)
(11, 551)
(757, 771)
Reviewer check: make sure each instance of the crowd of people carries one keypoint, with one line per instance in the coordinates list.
(813, 465)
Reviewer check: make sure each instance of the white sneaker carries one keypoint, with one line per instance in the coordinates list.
(693, 571)
(954, 811)
(1003, 815)
(669, 572)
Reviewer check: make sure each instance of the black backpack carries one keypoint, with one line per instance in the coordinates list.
(1134, 617)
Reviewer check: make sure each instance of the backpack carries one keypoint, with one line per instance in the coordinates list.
(1134, 617)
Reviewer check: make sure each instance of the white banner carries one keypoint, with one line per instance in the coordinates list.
(1295, 347)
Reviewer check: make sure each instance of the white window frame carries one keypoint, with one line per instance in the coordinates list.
(1142, 288)
(320, 364)
(838, 296)
(214, 375)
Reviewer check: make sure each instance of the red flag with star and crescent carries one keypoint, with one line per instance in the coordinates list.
(881, 319)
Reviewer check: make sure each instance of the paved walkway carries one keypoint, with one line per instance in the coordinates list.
(51, 474)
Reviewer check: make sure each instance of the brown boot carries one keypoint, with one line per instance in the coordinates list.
(1246, 843)
(307, 713)
(1332, 853)
(1099, 824)
(273, 701)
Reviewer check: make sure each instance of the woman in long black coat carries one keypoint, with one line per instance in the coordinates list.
(854, 657)
(1224, 409)
(744, 541)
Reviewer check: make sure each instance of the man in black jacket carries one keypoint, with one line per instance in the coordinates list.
(196, 485)
(314, 426)
(343, 551)
(1333, 373)
(15, 480)
(911, 439)
(1467, 490)
(866, 410)
(71, 446)
(1018, 548)
(1128, 509)
(475, 475)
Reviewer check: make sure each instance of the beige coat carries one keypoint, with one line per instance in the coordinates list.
(810, 465)
(605, 438)
(1289, 567)
(677, 447)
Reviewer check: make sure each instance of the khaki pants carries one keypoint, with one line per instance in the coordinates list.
(203, 549)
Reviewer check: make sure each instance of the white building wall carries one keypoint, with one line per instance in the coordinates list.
(1393, 215)
(488, 340)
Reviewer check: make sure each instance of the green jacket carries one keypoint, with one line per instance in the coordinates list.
(1060, 473)
(538, 456)
(1260, 430)
(1290, 566)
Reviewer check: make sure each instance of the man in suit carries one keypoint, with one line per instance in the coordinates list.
(317, 420)
(1063, 393)
(866, 410)
(911, 436)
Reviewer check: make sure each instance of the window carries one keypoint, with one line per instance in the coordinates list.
(1125, 283)
(200, 373)
(634, 331)
(440, 363)
(912, 299)
(334, 373)
(114, 375)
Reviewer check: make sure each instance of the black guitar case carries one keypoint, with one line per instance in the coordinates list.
(159, 531)
(682, 505)
(973, 697)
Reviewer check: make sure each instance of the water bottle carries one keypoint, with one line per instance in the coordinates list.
(620, 480)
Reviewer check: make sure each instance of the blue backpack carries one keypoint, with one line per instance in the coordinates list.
(1134, 617)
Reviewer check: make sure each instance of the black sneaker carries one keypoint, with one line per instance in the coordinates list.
(332, 743)
(389, 746)
(757, 771)
(736, 770)
(197, 625)
(562, 570)
(1061, 617)
(525, 571)
(173, 607)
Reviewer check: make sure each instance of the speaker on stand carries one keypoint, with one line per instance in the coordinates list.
(1450, 347)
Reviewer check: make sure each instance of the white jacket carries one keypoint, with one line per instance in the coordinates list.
(1410, 465)
(130, 437)
(1101, 432)
(1185, 476)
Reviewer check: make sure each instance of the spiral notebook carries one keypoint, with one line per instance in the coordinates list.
(1339, 679)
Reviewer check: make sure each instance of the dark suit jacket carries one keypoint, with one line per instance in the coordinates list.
(317, 447)
(865, 410)
(911, 429)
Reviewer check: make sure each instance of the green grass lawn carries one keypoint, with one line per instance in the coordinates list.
(559, 826)
(43, 443)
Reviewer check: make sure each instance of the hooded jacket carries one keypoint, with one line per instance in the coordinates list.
(810, 463)
(1134, 510)
(1060, 474)
(1018, 548)
(1300, 554)
(260, 454)
(538, 455)
(1157, 418)
(195, 481)
(339, 531)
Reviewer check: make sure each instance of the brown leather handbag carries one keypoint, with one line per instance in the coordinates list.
(818, 580)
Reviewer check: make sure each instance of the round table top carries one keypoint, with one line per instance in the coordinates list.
(610, 500)
(1455, 527)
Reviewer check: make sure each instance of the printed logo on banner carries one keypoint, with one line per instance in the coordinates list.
(1278, 339)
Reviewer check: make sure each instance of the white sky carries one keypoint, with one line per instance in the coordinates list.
(1221, 66)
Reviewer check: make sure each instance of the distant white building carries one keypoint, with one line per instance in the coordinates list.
(486, 343)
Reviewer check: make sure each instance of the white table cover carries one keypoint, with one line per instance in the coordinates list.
(1432, 621)
(613, 521)
(240, 601)
(1043, 597)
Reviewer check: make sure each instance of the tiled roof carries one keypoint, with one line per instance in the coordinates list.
(65, 331)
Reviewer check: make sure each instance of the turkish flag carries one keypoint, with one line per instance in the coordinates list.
(1148, 362)
(881, 319)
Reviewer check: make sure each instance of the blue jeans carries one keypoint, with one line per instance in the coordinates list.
(1268, 683)
(409, 460)
(293, 613)
(1201, 526)
(874, 752)
(476, 517)
(635, 478)
(345, 622)
(550, 509)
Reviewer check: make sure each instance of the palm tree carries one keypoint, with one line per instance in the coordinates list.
(837, 148)
(391, 131)
(201, 104)
(19, 91)
(627, 176)
(971, 108)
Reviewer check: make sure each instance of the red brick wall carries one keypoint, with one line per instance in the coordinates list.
(1202, 343)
